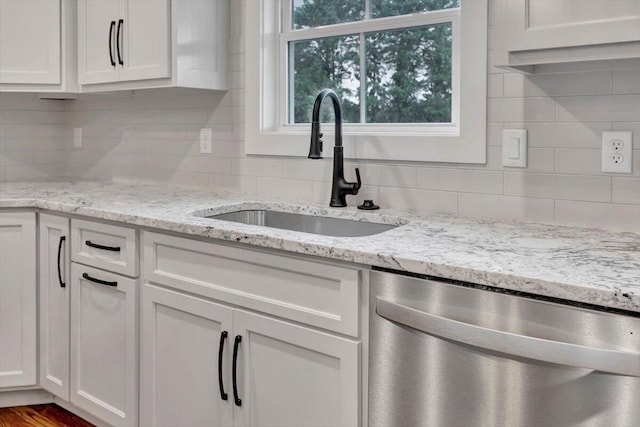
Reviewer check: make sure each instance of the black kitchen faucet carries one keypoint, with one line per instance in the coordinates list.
(340, 187)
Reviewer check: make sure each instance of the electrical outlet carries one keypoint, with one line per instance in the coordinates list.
(617, 158)
(617, 145)
(616, 152)
(77, 137)
(205, 140)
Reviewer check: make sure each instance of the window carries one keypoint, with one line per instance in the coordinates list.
(411, 75)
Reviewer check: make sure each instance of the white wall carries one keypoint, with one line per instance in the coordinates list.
(153, 136)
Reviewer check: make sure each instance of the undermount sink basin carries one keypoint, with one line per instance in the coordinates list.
(323, 225)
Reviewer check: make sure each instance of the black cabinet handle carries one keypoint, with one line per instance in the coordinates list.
(236, 344)
(119, 41)
(98, 281)
(111, 27)
(62, 239)
(104, 248)
(223, 337)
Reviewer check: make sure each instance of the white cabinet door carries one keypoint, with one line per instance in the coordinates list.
(182, 345)
(123, 40)
(547, 24)
(17, 299)
(97, 28)
(54, 304)
(104, 351)
(30, 41)
(144, 32)
(294, 376)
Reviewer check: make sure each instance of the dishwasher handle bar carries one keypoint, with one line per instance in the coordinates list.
(562, 353)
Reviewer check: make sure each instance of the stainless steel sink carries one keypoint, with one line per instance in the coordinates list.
(326, 226)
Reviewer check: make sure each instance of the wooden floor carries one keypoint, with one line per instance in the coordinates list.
(40, 416)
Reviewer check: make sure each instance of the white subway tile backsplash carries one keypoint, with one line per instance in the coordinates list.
(495, 87)
(316, 170)
(16, 158)
(622, 108)
(426, 201)
(468, 180)
(33, 117)
(505, 207)
(389, 176)
(552, 186)
(234, 183)
(585, 83)
(626, 190)
(288, 189)
(191, 179)
(626, 81)
(494, 134)
(514, 86)
(611, 216)
(522, 110)
(206, 164)
(586, 161)
(257, 167)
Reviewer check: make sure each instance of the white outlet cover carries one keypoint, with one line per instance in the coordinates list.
(617, 152)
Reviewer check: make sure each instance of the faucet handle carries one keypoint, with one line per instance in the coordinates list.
(358, 184)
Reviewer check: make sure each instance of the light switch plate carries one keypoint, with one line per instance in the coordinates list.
(205, 140)
(77, 137)
(514, 148)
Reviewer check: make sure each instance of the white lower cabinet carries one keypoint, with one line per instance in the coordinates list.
(290, 375)
(54, 290)
(17, 299)
(104, 349)
(207, 364)
(180, 356)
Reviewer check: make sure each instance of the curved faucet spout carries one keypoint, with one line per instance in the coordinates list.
(315, 149)
(340, 187)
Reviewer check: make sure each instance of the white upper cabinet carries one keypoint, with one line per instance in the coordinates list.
(144, 49)
(37, 45)
(97, 20)
(140, 44)
(123, 40)
(534, 33)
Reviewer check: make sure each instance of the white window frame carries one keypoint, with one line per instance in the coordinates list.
(267, 131)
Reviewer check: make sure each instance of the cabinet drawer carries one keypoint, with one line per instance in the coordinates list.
(316, 293)
(105, 246)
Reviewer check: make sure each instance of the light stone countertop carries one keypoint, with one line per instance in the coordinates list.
(578, 264)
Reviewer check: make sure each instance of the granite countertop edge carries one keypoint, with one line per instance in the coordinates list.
(577, 264)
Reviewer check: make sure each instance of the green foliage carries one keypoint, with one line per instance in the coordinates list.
(408, 72)
(326, 63)
(314, 13)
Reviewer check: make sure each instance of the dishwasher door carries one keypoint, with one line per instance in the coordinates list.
(444, 355)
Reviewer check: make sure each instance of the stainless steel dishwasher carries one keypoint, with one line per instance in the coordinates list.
(446, 355)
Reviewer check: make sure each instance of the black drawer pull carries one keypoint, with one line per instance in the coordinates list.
(223, 337)
(111, 27)
(236, 344)
(98, 281)
(104, 248)
(62, 239)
